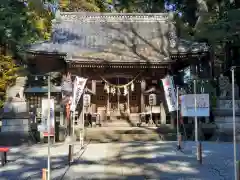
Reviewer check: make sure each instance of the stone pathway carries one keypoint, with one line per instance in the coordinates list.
(28, 162)
(153, 160)
(137, 160)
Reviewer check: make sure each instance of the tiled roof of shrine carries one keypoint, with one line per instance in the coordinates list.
(115, 37)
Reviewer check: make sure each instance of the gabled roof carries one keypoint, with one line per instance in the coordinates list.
(115, 37)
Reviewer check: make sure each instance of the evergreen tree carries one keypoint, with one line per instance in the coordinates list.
(82, 5)
(21, 23)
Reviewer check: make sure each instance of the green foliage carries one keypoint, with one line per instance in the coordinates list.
(19, 25)
(8, 74)
(82, 5)
(131, 6)
(205, 86)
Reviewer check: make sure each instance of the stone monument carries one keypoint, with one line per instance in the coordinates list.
(15, 120)
(223, 110)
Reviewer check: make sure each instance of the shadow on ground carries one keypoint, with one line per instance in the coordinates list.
(155, 161)
(25, 163)
(136, 160)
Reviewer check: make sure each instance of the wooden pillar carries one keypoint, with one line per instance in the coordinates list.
(81, 105)
(94, 86)
(108, 104)
(143, 87)
(118, 100)
(128, 100)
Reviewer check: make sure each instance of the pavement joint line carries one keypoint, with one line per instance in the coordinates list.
(215, 170)
(218, 170)
(84, 149)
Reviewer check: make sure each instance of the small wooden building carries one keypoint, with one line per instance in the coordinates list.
(122, 55)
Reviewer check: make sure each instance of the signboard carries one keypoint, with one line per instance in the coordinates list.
(78, 88)
(170, 95)
(86, 100)
(44, 125)
(188, 105)
(152, 100)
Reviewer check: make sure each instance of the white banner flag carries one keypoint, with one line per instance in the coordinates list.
(78, 87)
(44, 123)
(170, 95)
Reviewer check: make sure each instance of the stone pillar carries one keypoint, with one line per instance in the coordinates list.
(143, 87)
(94, 110)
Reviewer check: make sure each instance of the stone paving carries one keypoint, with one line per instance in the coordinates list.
(137, 160)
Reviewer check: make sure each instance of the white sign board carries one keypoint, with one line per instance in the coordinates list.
(170, 95)
(152, 100)
(188, 105)
(44, 125)
(86, 100)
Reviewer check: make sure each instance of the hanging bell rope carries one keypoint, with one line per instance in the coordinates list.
(120, 86)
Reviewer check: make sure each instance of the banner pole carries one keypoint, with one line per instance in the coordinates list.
(49, 129)
(178, 135)
(83, 125)
(234, 124)
(73, 124)
(195, 106)
(198, 145)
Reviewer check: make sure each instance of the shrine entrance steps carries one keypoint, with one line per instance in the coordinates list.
(128, 134)
(124, 120)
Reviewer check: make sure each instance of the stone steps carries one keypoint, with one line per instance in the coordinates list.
(128, 134)
(118, 123)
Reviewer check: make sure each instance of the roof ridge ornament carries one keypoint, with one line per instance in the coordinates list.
(114, 17)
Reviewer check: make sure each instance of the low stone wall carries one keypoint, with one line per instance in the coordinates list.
(223, 115)
(225, 124)
(14, 138)
(19, 125)
(14, 131)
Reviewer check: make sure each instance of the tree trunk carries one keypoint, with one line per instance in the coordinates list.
(203, 11)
